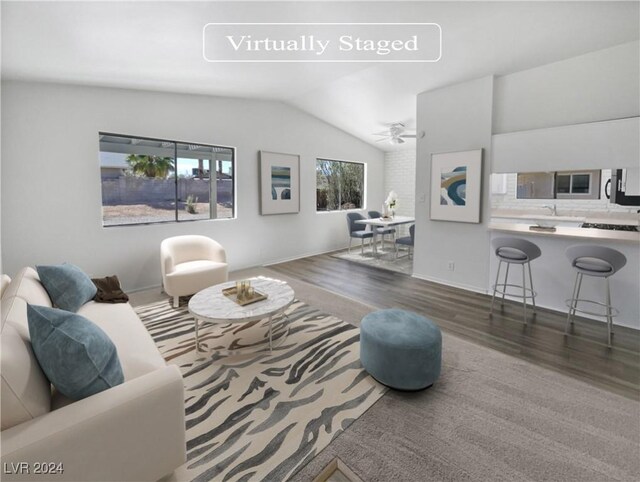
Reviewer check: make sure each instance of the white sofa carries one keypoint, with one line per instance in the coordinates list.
(132, 432)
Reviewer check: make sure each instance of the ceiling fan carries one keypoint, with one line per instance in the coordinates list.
(395, 134)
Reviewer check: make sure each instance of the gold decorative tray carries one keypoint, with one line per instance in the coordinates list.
(232, 294)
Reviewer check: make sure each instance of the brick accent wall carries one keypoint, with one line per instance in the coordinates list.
(400, 175)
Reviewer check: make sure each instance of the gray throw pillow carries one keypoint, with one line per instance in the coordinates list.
(77, 357)
(68, 286)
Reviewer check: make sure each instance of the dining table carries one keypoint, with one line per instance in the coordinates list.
(383, 222)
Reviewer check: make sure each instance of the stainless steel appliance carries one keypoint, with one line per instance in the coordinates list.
(624, 187)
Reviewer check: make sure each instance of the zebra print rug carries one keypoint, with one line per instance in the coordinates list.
(265, 415)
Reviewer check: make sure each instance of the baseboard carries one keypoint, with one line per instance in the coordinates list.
(449, 283)
(300, 256)
(147, 288)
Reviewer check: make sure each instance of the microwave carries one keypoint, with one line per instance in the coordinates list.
(624, 187)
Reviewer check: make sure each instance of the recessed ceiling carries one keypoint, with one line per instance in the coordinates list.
(158, 46)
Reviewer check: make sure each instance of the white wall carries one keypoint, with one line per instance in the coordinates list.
(51, 200)
(455, 118)
(400, 175)
(591, 145)
(600, 85)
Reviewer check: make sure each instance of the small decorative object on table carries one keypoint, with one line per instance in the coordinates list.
(390, 204)
(243, 293)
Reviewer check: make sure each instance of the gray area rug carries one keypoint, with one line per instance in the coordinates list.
(384, 259)
(490, 417)
(261, 416)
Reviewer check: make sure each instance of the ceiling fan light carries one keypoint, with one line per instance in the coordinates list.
(396, 140)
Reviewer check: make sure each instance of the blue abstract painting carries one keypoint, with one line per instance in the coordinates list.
(453, 187)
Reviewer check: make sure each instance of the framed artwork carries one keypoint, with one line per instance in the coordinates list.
(279, 183)
(456, 183)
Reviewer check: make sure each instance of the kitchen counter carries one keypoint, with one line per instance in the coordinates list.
(567, 232)
(596, 217)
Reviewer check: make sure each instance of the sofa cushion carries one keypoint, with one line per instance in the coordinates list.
(4, 282)
(136, 349)
(68, 286)
(26, 284)
(26, 392)
(14, 312)
(75, 354)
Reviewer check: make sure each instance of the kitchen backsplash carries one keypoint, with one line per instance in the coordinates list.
(509, 201)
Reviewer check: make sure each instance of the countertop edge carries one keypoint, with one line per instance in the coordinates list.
(569, 232)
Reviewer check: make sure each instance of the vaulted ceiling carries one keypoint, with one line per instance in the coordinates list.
(158, 46)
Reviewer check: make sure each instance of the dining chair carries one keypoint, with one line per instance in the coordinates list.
(382, 231)
(407, 241)
(356, 231)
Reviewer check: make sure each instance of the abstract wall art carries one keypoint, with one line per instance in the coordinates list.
(456, 182)
(279, 183)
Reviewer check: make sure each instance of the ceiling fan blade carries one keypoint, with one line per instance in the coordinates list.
(409, 136)
(382, 140)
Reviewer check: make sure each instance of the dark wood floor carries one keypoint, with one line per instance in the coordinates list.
(583, 354)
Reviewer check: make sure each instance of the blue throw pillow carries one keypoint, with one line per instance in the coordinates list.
(74, 353)
(68, 286)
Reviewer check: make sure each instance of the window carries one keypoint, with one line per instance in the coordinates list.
(339, 185)
(559, 185)
(153, 181)
(578, 185)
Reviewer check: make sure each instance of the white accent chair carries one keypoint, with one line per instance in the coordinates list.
(191, 263)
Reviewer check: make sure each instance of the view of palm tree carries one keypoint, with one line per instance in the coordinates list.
(150, 166)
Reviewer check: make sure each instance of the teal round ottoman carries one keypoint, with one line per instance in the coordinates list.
(401, 349)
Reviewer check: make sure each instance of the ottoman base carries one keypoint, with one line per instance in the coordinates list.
(406, 390)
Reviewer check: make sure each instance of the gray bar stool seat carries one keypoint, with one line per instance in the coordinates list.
(510, 251)
(599, 262)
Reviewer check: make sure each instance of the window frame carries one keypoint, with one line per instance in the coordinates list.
(364, 186)
(595, 176)
(552, 179)
(175, 157)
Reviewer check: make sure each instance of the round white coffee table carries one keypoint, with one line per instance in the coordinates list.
(211, 306)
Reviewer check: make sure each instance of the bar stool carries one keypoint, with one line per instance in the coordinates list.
(515, 251)
(599, 262)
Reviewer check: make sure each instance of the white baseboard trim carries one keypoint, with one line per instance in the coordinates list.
(300, 256)
(449, 283)
(147, 288)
